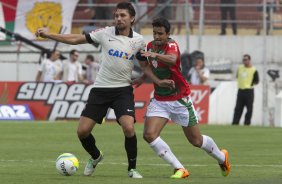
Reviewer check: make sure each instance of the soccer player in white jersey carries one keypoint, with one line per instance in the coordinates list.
(172, 103)
(112, 87)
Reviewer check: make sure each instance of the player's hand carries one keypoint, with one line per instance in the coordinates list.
(149, 54)
(137, 82)
(42, 32)
(167, 83)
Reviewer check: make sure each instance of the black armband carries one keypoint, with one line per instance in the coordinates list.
(88, 38)
(139, 57)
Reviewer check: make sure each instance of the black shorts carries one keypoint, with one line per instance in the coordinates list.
(121, 100)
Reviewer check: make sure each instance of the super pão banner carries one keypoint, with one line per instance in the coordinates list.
(54, 101)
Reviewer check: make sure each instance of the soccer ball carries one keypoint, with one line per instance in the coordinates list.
(67, 164)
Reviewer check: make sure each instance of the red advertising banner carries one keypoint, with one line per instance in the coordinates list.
(52, 101)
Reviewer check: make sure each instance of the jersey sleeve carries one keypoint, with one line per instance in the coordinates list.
(95, 36)
(256, 78)
(172, 48)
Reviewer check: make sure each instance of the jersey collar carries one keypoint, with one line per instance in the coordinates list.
(130, 33)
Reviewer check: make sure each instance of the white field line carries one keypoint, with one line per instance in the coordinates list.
(156, 165)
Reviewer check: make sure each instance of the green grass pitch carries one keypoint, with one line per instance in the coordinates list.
(28, 151)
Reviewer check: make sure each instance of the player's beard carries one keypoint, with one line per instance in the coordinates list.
(121, 27)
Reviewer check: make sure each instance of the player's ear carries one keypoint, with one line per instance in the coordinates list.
(132, 20)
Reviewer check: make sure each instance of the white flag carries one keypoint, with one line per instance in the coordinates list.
(2, 22)
(53, 14)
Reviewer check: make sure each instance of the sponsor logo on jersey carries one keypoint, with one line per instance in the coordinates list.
(121, 54)
(15, 112)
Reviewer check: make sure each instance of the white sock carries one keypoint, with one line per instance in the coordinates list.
(163, 150)
(211, 148)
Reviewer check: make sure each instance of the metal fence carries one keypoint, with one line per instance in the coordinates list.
(249, 16)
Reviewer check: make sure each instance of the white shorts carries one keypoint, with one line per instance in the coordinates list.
(181, 111)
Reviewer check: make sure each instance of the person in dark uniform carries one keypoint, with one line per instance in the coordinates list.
(247, 77)
(228, 7)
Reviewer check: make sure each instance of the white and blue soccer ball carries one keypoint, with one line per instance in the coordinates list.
(67, 164)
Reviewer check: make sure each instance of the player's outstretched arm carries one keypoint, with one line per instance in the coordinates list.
(168, 59)
(149, 73)
(73, 39)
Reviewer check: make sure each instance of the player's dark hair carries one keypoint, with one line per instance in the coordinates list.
(128, 6)
(162, 22)
(90, 57)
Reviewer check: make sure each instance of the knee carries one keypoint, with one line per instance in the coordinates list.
(149, 137)
(82, 132)
(128, 131)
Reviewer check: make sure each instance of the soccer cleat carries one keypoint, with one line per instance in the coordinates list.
(225, 166)
(132, 173)
(180, 173)
(91, 165)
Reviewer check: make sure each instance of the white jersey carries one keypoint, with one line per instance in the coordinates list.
(72, 70)
(50, 69)
(195, 78)
(117, 57)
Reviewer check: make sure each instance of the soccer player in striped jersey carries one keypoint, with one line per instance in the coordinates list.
(162, 61)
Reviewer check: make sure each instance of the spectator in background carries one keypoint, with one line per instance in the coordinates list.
(50, 68)
(271, 7)
(166, 11)
(91, 69)
(247, 77)
(106, 10)
(180, 14)
(198, 74)
(141, 7)
(228, 7)
(72, 68)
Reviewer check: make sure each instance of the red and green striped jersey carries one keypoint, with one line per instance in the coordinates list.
(163, 71)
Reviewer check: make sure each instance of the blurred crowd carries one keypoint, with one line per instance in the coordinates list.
(71, 70)
(238, 14)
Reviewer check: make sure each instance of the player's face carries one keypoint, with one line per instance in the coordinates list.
(123, 19)
(160, 36)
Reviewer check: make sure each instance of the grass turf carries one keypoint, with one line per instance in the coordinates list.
(29, 149)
